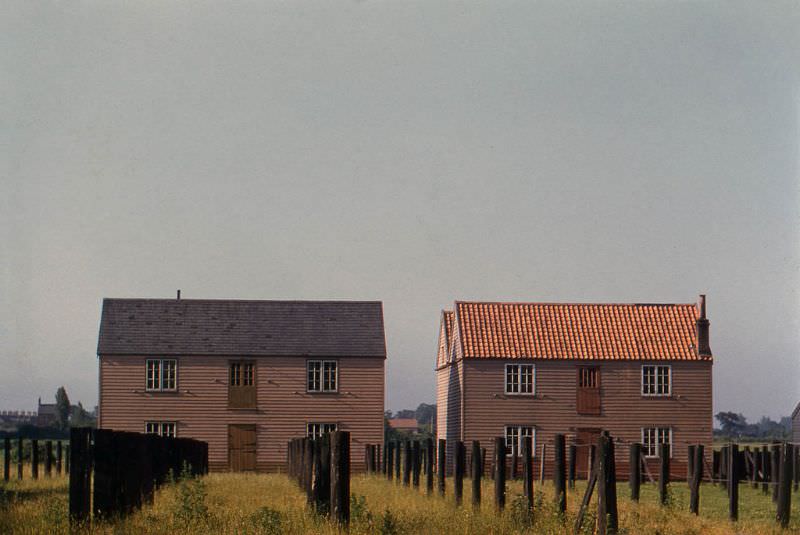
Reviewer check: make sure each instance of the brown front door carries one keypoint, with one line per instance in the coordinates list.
(587, 391)
(584, 439)
(242, 447)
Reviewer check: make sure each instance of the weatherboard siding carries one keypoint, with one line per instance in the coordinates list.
(487, 409)
(200, 407)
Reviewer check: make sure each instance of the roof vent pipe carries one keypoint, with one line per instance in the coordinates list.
(703, 346)
(179, 298)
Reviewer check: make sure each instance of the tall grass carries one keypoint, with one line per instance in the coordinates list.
(272, 504)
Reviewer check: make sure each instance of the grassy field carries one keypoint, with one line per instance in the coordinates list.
(232, 503)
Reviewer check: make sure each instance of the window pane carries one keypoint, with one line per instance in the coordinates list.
(247, 379)
(153, 375)
(314, 379)
(168, 377)
(329, 376)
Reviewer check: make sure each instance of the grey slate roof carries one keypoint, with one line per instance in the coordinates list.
(233, 327)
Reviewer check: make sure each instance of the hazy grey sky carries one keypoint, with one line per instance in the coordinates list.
(412, 152)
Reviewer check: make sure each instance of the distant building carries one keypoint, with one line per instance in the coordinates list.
(46, 414)
(406, 425)
(642, 372)
(244, 376)
(796, 424)
(11, 420)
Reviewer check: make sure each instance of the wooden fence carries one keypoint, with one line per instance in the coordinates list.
(114, 472)
(775, 468)
(49, 456)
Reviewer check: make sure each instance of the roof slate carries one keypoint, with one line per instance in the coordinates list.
(578, 331)
(235, 327)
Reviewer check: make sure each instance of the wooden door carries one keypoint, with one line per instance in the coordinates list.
(242, 447)
(584, 439)
(587, 391)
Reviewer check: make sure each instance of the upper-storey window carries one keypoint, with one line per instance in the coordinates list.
(162, 374)
(241, 385)
(519, 379)
(322, 375)
(656, 380)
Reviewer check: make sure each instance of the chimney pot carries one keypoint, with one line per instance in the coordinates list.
(703, 344)
(179, 295)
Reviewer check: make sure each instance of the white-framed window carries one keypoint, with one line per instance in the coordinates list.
(241, 373)
(520, 379)
(652, 437)
(322, 375)
(161, 375)
(317, 429)
(656, 380)
(164, 429)
(515, 438)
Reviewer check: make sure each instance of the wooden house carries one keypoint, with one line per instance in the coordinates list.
(244, 376)
(640, 371)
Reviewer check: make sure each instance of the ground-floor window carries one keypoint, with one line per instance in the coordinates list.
(164, 429)
(317, 429)
(652, 437)
(515, 438)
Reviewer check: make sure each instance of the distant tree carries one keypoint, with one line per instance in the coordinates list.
(731, 423)
(62, 408)
(405, 413)
(81, 418)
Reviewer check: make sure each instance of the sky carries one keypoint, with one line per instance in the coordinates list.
(410, 152)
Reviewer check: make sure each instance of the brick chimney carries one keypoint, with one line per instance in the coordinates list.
(703, 347)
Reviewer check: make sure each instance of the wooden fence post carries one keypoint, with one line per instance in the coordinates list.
(785, 485)
(766, 471)
(689, 464)
(80, 474)
(697, 477)
(106, 479)
(724, 465)
(416, 457)
(796, 465)
(19, 457)
(607, 518)
(527, 472)
(587, 496)
(6, 458)
(541, 464)
(407, 458)
(476, 474)
(663, 475)
(571, 465)
(390, 460)
(756, 478)
(59, 457)
(500, 473)
(34, 458)
(441, 464)
(635, 470)
(340, 476)
(308, 468)
(48, 458)
(559, 474)
(458, 475)
(775, 465)
(398, 451)
(429, 466)
(733, 481)
(66, 459)
(513, 464)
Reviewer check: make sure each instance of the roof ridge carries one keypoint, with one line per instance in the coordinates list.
(556, 303)
(226, 300)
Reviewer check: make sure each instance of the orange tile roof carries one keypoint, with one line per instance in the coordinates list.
(578, 331)
(403, 423)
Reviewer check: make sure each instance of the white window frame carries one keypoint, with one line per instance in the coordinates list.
(516, 373)
(154, 382)
(650, 449)
(239, 371)
(321, 376)
(518, 432)
(645, 386)
(161, 428)
(315, 430)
